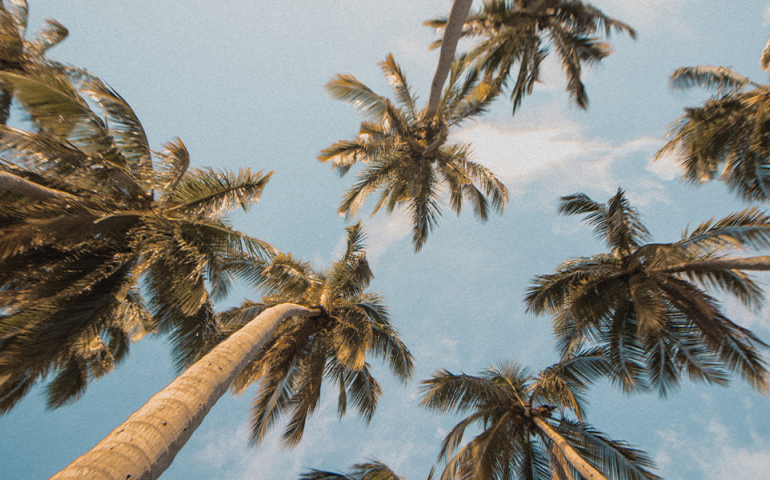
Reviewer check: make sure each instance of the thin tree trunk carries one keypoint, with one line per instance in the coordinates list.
(584, 468)
(732, 263)
(452, 31)
(21, 186)
(144, 446)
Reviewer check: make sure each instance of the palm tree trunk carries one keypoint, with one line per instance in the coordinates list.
(732, 263)
(144, 446)
(584, 468)
(15, 184)
(452, 31)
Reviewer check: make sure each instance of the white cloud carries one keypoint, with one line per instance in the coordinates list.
(714, 452)
(555, 150)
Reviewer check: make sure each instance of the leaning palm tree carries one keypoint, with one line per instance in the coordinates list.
(406, 155)
(523, 31)
(727, 137)
(290, 368)
(85, 215)
(309, 325)
(645, 304)
(520, 438)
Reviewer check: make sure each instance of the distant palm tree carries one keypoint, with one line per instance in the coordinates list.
(523, 31)
(519, 437)
(21, 55)
(289, 348)
(654, 325)
(406, 155)
(374, 470)
(84, 216)
(728, 137)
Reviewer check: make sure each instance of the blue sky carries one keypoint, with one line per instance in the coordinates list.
(241, 83)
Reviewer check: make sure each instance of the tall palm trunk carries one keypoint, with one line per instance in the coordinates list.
(584, 468)
(144, 446)
(454, 28)
(761, 263)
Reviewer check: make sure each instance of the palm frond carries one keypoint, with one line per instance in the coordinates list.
(212, 194)
(348, 89)
(722, 79)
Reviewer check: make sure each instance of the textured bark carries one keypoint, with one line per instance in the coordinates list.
(454, 28)
(733, 263)
(584, 468)
(12, 183)
(144, 446)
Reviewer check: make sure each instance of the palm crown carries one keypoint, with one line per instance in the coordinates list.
(523, 32)
(291, 366)
(519, 437)
(726, 137)
(94, 215)
(654, 325)
(406, 155)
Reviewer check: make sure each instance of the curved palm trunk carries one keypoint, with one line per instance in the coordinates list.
(14, 184)
(733, 263)
(584, 468)
(454, 28)
(144, 446)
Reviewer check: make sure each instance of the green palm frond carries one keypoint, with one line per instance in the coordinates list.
(123, 126)
(397, 80)
(209, 193)
(722, 79)
(348, 89)
(51, 35)
(173, 163)
(748, 228)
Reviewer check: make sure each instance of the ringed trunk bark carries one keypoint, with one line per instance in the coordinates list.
(584, 468)
(452, 31)
(144, 446)
(761, 263)
(14, 184)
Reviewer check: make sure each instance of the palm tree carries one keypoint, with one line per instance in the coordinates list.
(645, 305)
(288, 348)
(727, 137)
(92, 216)
(520, 438)
(291, 366)
(406, 155)
(373, 470)
(20, 55)
(523, 32)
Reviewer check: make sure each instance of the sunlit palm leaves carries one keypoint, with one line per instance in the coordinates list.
(20, 55)
(728, 137)
(292, 365)
(69, 301)
(518, 436)
(522, 32)
(373, 470)
(645, 305)
(405, 155)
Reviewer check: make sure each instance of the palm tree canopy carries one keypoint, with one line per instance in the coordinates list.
(524, 32)
(71, 261)
(406, 155)
(727, 137)
(513, 410)
(290, 368)
(372, 470)
(646, 307)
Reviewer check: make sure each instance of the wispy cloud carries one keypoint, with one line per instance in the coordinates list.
(713, 452)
